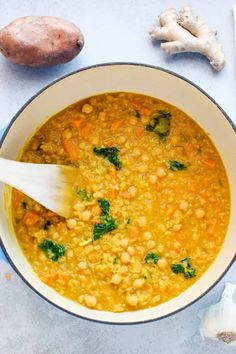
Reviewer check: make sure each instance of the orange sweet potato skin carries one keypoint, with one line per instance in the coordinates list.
(40, 41)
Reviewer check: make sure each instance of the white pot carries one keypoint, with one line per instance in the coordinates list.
(137, 78)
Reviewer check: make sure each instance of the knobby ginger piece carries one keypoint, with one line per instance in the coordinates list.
(184, 32)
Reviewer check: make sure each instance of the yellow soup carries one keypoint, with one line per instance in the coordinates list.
(152, 203)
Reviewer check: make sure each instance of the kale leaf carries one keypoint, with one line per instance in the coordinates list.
(47, 224)
(176, 165)
(185, 267)
(111, 153)
(52, 250)
(84, 195)
(160, 125)
(104, 205)
(24, 204)
(129, 220)
(103, 228)
(152, 257)
(107, 223)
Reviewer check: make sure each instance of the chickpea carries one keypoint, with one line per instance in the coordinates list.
(183, 205)
(87, 108)
(131, 192)
(90, 300)
(131, 250)
(200, 213)
(147, 236)
(132, 300)
(136, 152)
(145, 120)
(176, 244)
(162, 263)
(162, 285)
(123, 269)
(67, 134)
(124, 242)
(71, 223)
(133, 121)
(152, 179)
(156, 151)
(70, 254)
(121, 140)
(79, 206)
(125, 257)
(98, 194)
(82, 265)
(138, 283)
(161, 172)
(101, 116)
(142, 221)
(145, 157)
(141, 251)
(96, 210)
(151, 244)
(177, 227)
(143, 168)
(160, 247)
(95, 141)
(85, 215)
(116, 279)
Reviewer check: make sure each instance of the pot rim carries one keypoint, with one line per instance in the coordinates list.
(44, 89)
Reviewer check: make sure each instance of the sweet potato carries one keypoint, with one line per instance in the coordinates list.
(40, 41)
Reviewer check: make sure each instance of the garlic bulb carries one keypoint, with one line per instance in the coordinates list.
(218, 321)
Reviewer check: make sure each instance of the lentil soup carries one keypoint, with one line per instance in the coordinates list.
(151, 203)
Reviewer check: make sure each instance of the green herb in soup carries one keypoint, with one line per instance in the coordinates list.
(152, 257)
(160, 125)
(111, 153)
(177, 166)
(184, 267)
(52, 250)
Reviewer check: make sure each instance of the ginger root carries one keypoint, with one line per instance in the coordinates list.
(186, 33)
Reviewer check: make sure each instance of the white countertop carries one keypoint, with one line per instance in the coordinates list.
(114, 31)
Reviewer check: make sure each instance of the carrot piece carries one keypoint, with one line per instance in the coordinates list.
(50, 214)
(136, 103)
(205, 183)
(209, 162)
(17, 197)
(112, 172)
(133, 231)
(111, 193)
(191, 186)
(159, 184)
(189, 147)
(95, 256)
(115, 126)
(77, 122)
(144, 111)
(70, 148)
(31, 218)
(139, 132)
(170, 211)
(86, 130)
(180, 235)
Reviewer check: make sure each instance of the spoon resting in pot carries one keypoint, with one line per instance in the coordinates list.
(50, 185)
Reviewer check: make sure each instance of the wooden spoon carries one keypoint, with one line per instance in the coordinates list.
(50, 185)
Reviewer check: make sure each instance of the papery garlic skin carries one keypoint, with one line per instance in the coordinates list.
(218, 321)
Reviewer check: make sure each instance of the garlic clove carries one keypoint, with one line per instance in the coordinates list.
(218, 321)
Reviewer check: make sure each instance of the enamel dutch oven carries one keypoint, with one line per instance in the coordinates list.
(143, 79)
